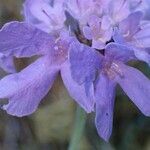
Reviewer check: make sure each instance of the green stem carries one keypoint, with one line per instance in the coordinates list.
(78, 129)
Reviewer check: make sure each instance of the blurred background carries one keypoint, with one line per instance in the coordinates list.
(51, 126)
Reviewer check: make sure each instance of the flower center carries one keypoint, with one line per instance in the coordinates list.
(60, 52)
(112, 69)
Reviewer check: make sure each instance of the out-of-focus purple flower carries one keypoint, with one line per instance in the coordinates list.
(81, 9)
(117, 11)
(47, 15)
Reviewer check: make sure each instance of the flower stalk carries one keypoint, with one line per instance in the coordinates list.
(78, 130)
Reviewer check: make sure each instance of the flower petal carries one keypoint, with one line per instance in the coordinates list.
(131, 24)
(85, 62)
(87, 32)
(118, 10)
(7, 63)
(23, 40)
(119, 52)
(118, 36)
(76, 91)
(142, 38)
(26, 89)
(143, 55)
(81, 10)
(98, 44)
(104, 94)
(136, 86)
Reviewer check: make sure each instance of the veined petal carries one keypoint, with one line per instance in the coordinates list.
(26, 88)
(104, 96)
(76, 91)
(136, 86)
(23, 40)
(85, 62)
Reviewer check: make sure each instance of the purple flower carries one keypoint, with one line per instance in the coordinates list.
(135, 33)
(26, 88)
(112, 71)
(100, 29)
(91, 59)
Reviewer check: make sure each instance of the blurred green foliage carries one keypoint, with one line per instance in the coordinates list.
(51, 126)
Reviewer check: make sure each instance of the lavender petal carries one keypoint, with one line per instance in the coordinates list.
(131, 24)
(26, 88)
(76, 91)
(23, 40)
(137, 87)
(7, 63)
(104, 94)
(85, 62)
(120, 52)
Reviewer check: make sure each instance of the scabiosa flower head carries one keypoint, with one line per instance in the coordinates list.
(91, 57)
